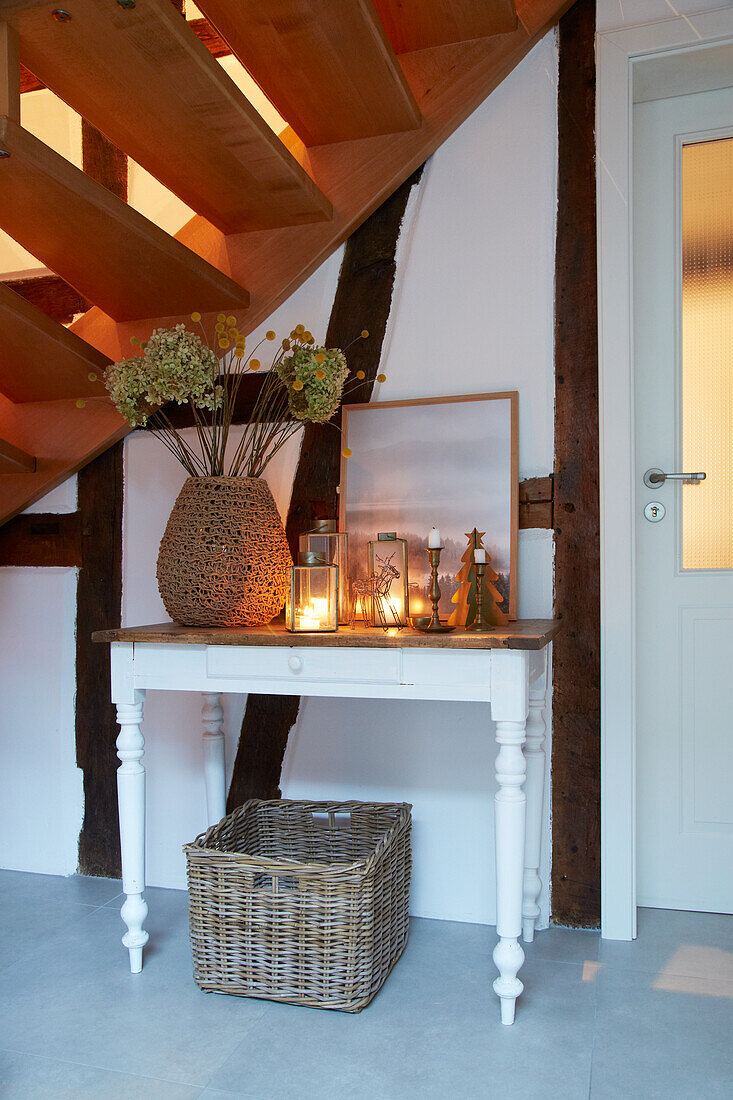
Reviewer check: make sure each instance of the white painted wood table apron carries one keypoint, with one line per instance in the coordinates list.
(506, 669)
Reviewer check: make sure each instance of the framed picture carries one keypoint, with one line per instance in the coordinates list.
(447, 462)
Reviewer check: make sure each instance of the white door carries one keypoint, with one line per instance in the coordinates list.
(683, 310)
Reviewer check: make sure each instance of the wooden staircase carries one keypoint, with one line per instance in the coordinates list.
(369, 88)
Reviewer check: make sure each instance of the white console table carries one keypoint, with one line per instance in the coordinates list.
(506, 668)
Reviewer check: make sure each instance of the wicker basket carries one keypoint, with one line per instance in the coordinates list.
(302, 902)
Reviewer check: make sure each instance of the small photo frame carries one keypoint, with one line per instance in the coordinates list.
(446, 462)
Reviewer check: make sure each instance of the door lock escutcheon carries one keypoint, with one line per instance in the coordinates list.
(654, 511)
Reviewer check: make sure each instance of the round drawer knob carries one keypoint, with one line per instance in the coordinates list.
(295, 664)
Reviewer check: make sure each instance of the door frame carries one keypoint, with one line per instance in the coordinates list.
(617, 52)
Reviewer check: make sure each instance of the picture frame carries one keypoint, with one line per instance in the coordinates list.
(446, 462)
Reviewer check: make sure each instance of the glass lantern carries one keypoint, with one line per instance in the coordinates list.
(388, 563)
(332, 546)
(312, 603)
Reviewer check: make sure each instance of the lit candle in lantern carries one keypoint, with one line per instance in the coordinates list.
(479, 555)
(434, 542)
(417, 604)
(308, 622)
(319, 608)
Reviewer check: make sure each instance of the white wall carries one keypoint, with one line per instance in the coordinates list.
(472, 312)
(41, 800)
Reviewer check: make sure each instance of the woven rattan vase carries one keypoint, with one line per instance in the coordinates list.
(224, 559)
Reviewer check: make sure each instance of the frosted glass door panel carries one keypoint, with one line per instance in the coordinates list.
(707, 353)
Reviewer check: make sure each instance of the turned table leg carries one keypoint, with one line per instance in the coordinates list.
(509, 704)
(212, 717)
(131, 802)
(535, 787)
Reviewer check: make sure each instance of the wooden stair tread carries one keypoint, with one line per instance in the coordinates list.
(63, 438)
(40, 360)
(13, 460)
(448, 82)
(142, 77)
(421, 24)
(107, 251)
(326, 65)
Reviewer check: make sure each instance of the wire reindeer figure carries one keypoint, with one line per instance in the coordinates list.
(375, 588)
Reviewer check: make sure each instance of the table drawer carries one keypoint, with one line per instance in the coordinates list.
(446, 666)
(381, 666)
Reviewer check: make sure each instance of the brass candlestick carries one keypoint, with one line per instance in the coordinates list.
(435, 626)
(478, 624)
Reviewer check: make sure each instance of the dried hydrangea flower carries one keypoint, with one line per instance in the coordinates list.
(321, 373)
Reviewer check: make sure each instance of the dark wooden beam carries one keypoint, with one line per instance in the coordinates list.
(103, 161)
(42, 539)
(363, 300)
(576, 829)
(210, 37)
(28, 82)
(181, 416)
(99, 601)
(51, 295)
(535, 502)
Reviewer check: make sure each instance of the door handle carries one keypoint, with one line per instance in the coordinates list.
(655, 477)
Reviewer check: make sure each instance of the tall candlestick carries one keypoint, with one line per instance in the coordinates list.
(479, 625)
(434, 542)
(435, 626)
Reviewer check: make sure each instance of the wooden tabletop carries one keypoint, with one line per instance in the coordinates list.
(522, 634)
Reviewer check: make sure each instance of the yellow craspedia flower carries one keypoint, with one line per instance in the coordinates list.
(219, 327)
(308, 337)
(231, 321)
(92, 376)
(360, 374)
(297, 384)
(232, 333)
(300, 329)
(364, 333)
(223, 342)
(346, 452)
(270, 335)
(80, 404)
(286, 345)
(133, 339)
(238, 352)
(196, 316)
(221, 318)
(320, 358)
(381, 378)
(320, 375)
(255, 364)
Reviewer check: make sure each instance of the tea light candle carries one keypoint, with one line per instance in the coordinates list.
(479, 555)
(434, 542)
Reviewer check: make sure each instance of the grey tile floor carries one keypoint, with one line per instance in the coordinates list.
(597, 1019)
